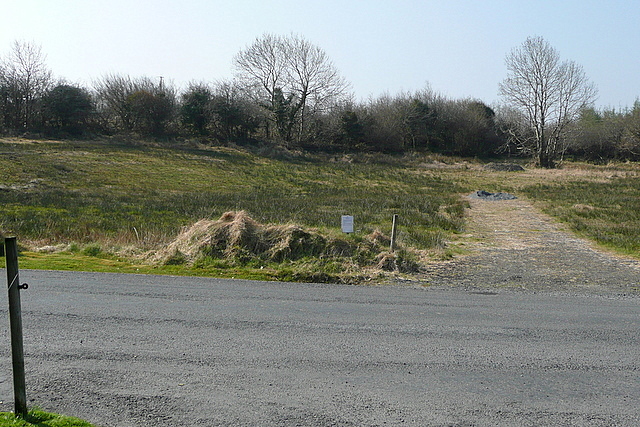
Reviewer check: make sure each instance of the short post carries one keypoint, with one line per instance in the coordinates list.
(393, 233)
(15, 320)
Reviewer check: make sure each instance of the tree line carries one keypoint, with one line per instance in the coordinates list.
(287, 91)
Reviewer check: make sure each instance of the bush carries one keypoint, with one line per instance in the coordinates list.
(92, 250)
(67, 109)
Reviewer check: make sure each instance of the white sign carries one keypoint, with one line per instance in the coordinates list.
(347, 224)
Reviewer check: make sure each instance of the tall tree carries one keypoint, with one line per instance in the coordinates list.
(280, 70)
(24, 79)
(549, 92)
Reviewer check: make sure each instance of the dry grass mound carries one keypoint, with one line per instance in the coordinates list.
(238, 237)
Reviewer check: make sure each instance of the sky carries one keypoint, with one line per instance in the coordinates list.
(455, 47)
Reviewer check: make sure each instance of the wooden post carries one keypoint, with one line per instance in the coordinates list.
(15, 320)
(393, 233)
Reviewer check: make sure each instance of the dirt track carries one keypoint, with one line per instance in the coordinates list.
(513, 245)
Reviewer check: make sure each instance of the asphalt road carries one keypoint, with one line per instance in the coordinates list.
(122, 350)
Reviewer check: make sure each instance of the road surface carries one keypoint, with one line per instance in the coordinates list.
(134, 350)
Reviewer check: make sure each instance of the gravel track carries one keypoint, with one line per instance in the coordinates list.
(513, 245)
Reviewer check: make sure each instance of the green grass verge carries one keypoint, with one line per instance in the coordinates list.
(66, 261)
(38, 418)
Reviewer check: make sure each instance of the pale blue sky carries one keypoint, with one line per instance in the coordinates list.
(457, 47)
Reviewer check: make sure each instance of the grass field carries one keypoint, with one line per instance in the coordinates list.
(105, 205)
(603, 206)
(104, 202)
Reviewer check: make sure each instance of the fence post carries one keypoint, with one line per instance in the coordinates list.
(393, 233)
(15, 320)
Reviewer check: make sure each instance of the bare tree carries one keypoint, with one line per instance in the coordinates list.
(141, 104)
(290, 78)
(24, 78)
(549, 92)
(112, 92)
